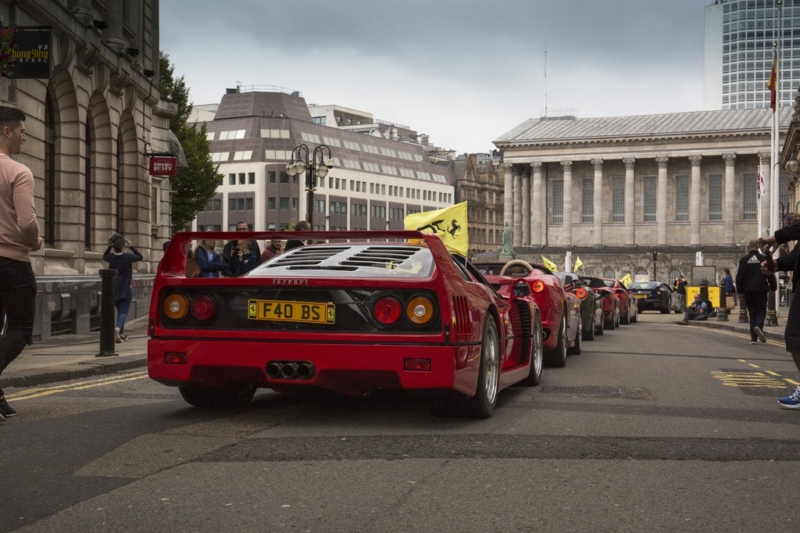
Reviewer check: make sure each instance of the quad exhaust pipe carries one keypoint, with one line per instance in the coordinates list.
(291, 370)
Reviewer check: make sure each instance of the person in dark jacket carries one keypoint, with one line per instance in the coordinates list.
(245, 259)
(297, 243)
(208, 259)
(754, 286)
(123, 294)
(230, 250)
(792, 333)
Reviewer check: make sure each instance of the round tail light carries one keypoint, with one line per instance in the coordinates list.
(388, 310)
(176, 306)
(537, 286)
(580, 293)
(420, 310)
(204, 307)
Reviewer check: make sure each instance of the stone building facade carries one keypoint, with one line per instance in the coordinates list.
(609, 189)
(479, 183)
(89, 127)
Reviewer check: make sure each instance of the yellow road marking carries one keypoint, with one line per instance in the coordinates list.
(754, 366)
(742, 336)
(742, 361)
(748, 380)
(38, 393)
(793, 382)
(771, 373)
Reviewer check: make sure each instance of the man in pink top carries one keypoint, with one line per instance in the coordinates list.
(19, 236)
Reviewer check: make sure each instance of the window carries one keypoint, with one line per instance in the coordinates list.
(609, 273)
(649, 200)
(231, 204)
(294, 203)
(681, 198)
(218, 204)
(231, 179)
(271, 176)
(783, 192)
(283, 202)
(673, 275)
(241, 178)
(749, 195)
(271, 203)
(715, 197)
(617, 199)
(251, 178)
(284, 177)
(243, 156)
(587, 200)
(219, 157)
(248, 204)
(320, 120)
(240, 206)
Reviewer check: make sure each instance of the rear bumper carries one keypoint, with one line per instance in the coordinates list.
(349, 368)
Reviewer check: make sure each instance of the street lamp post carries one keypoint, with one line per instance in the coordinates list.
(315, 165)
(655, 250)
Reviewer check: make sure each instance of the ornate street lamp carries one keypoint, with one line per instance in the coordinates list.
(317, 167)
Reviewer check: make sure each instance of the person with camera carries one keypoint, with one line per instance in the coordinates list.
(243, 260)
(122, 262)
(697, 311)
(228, 253)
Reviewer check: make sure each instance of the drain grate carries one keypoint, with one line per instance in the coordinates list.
(625, 393)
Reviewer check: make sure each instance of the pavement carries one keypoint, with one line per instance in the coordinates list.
(66, 357)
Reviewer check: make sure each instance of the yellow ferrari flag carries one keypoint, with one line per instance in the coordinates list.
(450, 224)
(549, 264)
(626, 280)
(578, 264)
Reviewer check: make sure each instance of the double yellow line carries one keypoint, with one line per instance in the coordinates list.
(39, 392)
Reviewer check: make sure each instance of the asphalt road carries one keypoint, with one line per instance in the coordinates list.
(655, 427)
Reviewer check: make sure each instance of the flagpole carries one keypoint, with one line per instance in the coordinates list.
(758, 205)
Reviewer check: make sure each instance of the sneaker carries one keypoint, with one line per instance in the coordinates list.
(117, 338)
(6, 410)
(760, 334)
(753, 342)
(123, 337)
(792, 401)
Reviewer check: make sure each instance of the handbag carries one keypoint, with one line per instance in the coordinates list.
(192, 268)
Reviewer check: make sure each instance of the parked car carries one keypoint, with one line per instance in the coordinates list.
(591, 304)
(366, 311)
(560, 310)
(656, 296)
(611, 304)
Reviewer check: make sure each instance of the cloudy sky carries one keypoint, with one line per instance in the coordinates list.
(462, 71)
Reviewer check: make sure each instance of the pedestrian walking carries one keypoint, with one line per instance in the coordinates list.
(228, 250)
(785, 263)
(730, 289)
(754, 286)
(122, 262)
(291, 244)
(19, 236)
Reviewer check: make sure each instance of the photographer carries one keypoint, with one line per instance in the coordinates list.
(243, 259)
(228, 253)
(697, 311)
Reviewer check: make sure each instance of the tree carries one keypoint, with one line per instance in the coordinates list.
(197, 184)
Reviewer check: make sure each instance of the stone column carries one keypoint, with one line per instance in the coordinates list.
(112, 35)
(527, 215)
(508, 206)
(517, 228)
(661, 201)
(764, 202)
(730, 182)
(598, 201)
(630, 202)
(567, 206)
(538, 216)
(694, 200)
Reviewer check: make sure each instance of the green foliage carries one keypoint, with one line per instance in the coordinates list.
(196, 185)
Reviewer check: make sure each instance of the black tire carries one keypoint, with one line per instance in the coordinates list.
(665, 311)
(536, 356)
(576, 349)
(601, 328)
(231, 396)
(611, 324)
(589, 334)
(557, 357)
(627, 318)
(635, 317)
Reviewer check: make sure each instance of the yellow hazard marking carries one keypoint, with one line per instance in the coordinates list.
(742, 336)
(39, 392)
(771, 373)
(748, 380)
(754, 366)
(742, 361)
(793, 382)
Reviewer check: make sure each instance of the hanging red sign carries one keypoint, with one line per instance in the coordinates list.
(163, 166)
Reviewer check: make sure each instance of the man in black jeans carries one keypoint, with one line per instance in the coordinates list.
(19, 236)
(754, 286)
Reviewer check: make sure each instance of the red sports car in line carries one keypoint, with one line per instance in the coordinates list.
(591, 304)
(560, 310)
(353, 312)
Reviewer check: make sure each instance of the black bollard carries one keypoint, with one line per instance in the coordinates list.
(743, 319)
(107, 313)
(722, 310)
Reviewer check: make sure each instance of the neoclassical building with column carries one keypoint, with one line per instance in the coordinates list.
(608, 189)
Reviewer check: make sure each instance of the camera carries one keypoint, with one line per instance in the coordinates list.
(235, 250)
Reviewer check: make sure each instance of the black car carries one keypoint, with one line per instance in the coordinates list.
(655, 295)
(591, 304)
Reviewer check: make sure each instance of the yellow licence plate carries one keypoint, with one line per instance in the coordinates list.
(305, 312)
(640, 295)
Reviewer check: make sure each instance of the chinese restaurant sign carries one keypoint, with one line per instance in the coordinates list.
(32, 51)
(163, 166)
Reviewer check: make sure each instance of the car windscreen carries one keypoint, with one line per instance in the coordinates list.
(643, 285)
